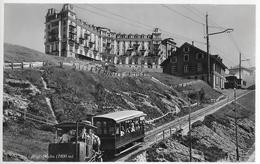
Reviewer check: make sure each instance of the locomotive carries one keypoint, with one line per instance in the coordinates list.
(118, 132)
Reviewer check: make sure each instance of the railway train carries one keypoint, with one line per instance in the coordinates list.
(118, 132)
(234, 82)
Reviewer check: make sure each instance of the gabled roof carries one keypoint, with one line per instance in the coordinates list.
(237, 68)
(214, 57)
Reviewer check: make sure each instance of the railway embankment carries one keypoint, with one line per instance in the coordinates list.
(213, 139)
(72, 95)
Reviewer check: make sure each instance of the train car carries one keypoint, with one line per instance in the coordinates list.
(120, 131)
(234, 82)
(231, 82)
(74, 149)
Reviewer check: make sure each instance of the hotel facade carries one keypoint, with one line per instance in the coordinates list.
(68, 36)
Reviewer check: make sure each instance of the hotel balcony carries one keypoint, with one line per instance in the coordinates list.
(76, 45)
(81, 40)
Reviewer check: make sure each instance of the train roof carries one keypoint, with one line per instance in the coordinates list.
(73, 125)
(122, 115)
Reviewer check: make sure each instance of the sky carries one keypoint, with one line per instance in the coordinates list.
(24, 24)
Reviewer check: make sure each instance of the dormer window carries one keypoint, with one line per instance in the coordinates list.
(186, 49)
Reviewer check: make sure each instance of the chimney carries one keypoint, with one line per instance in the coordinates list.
(192, 43)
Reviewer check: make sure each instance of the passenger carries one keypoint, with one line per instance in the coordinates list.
(132, 127)
(128, 129)
(122, 132)
(65, 138)
(96, 142)
(83, 134)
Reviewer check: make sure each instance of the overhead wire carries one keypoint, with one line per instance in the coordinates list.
(181, 37)
(94, 12)
(139, 23)
(216, 25)
(179, 13)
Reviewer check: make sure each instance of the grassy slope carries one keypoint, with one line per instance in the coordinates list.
(74, 94)
(16, 53)
(196, 86)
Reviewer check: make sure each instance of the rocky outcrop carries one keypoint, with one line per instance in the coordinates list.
(172, 151)
(12, 156)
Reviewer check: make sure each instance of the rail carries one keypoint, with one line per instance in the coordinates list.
(176, 125)
(165, 131)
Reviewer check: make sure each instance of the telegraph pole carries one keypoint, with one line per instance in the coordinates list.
(190, 135)
(240, 65)
(235, 98)
(208, 56)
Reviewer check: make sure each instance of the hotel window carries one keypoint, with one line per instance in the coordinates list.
(186, 57)
(186, 68)
(71, 48)
(199, 67)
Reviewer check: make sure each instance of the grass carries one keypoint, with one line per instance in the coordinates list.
(17, 54)
(26, 140)
(74, 94)
(195, 87)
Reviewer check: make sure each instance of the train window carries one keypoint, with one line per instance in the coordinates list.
(98, 125)
(104, 127)
(128, 126)
(122, 130)
(117, 129)
(137, 126)
(112, 130)
(132, 126)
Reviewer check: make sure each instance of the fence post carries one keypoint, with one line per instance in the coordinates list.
(12, 65)
(22, 65)
(61, 64)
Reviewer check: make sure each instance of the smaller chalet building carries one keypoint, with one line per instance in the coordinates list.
(191, 62)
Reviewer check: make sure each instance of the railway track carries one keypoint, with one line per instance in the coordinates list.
(167, 129)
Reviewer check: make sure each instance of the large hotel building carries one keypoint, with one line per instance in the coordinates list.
(68, 36)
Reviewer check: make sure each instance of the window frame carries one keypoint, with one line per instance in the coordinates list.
(199, 70)
(186, 68)
(174, 61)
(186, 49)
(185, 56)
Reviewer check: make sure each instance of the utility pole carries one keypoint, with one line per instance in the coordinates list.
(228, 30)
(208, 56)
(190, 135)
(235, 98)
(240, 65)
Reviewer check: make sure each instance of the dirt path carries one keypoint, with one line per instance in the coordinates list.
(48, 101)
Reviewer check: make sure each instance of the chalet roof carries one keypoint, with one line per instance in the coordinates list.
(237, 68)
(214, 57)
